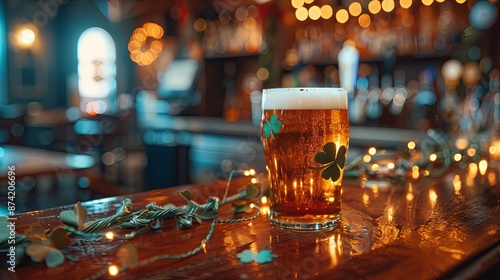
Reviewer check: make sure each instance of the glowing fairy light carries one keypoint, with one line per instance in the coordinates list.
(409, 196)
(457, 157)
(110, 235)
(372, 151)
(113, 270)
(433, 157)
(264, 200)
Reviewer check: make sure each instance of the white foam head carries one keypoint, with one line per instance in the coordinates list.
(304, 98)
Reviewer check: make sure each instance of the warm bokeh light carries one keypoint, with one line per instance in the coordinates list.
(471, 152)
(462, 143)
(364, 20)
(355, 9)
(457, 184)
(388, 5)
(301, 13)
(461, 1)
(440, 1)
(372, 151)
(483, 166)
(113, 270)
(308, 1)
(342, 16)
(374, 7)
(145, 44)
(200, 25)
(367, 158)
(472, 169)
(433, 197)
(314, 12)
(26, 37)
(391, 165)
(405, 4)
(326, 12)
(457, 157)
(433, 157)
(409, 196)
(262, 74)
(411, 145)
(492, 179)
(427, 2)
(297, 3)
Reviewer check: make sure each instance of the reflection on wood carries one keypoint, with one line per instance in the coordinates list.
(426, 229)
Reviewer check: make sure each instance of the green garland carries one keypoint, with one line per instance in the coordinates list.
(52, 245)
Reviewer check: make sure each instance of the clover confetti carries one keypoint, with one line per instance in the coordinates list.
(332, 161)
(272, 126)
(45, 247)
(263, 256)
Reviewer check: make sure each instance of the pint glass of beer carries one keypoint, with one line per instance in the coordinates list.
(305, 135)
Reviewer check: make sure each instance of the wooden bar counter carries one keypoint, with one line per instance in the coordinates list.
(429, 228)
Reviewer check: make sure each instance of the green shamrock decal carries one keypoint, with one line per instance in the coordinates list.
(272, 126)
(263, 256)
(331, 160)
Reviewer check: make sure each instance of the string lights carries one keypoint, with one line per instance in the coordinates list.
(309, 10)
(431, 157)
(125, 218)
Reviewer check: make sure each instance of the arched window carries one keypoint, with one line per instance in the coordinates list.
(96, 70)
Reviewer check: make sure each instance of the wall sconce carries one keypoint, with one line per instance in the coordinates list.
(24, 36)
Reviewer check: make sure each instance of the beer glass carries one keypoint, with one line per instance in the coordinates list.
(305, 136)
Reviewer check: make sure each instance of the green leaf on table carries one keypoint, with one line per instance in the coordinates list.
(186, 194)
(36, 233)
(251, 191)
(59, 238)
(272, 126)
(54, 258)
(37, 252)
(40, 252)
(333, 161)
(81, 214)
(74, 218)
(241, 206)
(69, 218)
(127, 255)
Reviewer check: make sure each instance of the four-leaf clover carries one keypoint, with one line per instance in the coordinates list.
(272, 126)
(332, 161)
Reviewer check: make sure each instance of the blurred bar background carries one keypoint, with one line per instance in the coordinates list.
(163, 93)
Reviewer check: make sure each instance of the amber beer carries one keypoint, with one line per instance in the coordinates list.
(305, 135)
